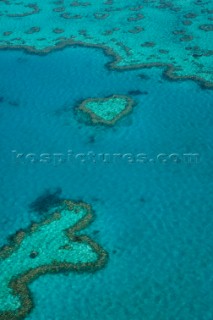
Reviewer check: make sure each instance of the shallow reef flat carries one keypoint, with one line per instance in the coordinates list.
(107, 110)
(175, 34)
(46, 247)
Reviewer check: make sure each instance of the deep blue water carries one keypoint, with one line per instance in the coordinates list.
(154, 219)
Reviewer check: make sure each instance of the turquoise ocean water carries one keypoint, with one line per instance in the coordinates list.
(154, 219)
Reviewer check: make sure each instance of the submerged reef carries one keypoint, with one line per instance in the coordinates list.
(174, 34)
(46, 247)
(46, 201)
(107, 110)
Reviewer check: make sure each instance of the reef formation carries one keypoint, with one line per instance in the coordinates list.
(107, 110)
(176, 35)
(46, 247)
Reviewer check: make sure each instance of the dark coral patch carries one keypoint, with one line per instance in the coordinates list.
(186, 38)
(20, 15)
(101, 16)
(206, 27)
(137, 17)
(58, 30)
(33, 254)
(186, 22)
(190, 15)
(176, 32)
(136, 30)
(163, 51)
(7, 33)
(148, 44)
(33, 30)
(60, 9)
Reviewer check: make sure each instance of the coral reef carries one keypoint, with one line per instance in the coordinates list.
(107, 110)
(46, 247)
(147, 35)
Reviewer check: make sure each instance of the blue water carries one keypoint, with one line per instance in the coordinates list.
(154, 219)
